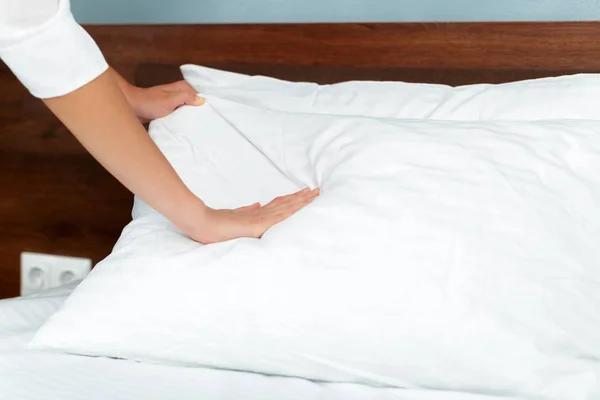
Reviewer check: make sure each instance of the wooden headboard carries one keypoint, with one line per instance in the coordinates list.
(56, 199)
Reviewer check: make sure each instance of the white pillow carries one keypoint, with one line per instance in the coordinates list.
(565, 97)
(444, 255)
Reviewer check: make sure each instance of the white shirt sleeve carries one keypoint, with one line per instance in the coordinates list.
(45, 48)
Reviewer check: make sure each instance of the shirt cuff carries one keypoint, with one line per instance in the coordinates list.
(59, 59)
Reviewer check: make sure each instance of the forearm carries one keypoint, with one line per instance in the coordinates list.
(99, 116)
(39, 38)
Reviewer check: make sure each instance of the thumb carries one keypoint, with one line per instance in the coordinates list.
(192, 98)
(188, 97)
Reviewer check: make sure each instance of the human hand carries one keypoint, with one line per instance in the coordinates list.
(251, 221)
(159, 101)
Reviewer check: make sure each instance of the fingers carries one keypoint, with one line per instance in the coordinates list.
(251, 207)
(254, 220)
(284, 207)
(183, 94)
(185, 98)
(184, 87)
(304, 196)
(300, 199)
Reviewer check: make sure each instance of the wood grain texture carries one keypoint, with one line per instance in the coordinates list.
(56, 199)
(441, 53)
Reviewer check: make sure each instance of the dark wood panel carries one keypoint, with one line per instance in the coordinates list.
(57, 204)
(56, 199)
(421, 52)
(149, 74)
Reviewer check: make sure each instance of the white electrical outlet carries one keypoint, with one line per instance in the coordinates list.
(44, 271)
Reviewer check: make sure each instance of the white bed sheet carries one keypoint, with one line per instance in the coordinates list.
(31, 375)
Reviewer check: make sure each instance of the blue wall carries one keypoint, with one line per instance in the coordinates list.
(234, 11)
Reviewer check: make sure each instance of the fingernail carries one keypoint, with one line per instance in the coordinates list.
(199, 101)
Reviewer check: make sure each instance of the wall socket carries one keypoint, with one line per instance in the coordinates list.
(43, 271)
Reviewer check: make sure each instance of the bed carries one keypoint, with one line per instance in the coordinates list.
(48, 212)
(42, 150)
(25, 374)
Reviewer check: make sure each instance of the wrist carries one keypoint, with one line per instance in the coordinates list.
(132, 95)
(191, 217)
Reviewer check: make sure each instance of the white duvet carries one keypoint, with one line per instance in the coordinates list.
(452, 256)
